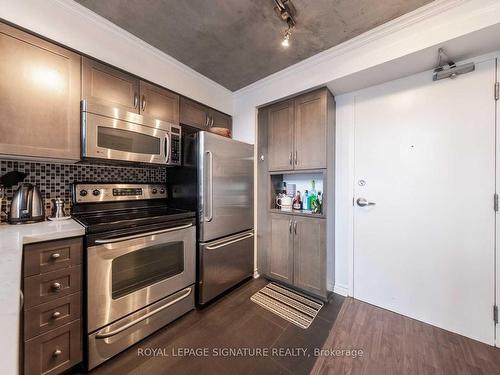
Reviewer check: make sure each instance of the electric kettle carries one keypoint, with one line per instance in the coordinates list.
(27, 205)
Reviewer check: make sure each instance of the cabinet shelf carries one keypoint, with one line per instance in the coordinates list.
(305, 213)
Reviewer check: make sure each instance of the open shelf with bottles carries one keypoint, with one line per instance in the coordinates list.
(298, 181)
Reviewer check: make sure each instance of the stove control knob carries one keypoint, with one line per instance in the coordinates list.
(83, 193)
(96, 192)
(154, 191)
(162, 191)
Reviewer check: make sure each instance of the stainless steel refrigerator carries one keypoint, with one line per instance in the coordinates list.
(217, 180)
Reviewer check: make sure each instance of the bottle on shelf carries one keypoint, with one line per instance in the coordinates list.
(297, 203)
(317, 204)
(305, 200)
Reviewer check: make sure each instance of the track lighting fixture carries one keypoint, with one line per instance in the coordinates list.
(286, 12)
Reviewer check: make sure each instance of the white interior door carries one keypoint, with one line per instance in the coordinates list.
(425, 154)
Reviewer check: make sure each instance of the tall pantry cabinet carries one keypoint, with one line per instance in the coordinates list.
(295, 139)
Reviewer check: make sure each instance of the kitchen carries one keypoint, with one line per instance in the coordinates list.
(151, 208)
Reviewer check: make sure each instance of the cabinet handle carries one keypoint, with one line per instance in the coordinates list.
(212, 122)
(290, 158)
(57, 353)
(56, 287)
(136, 100)
(290, 226)
(207, 120)
(143, 103)
(296, 157)
(55, 256)
(295, 227)
(21, 299)
(55, 315)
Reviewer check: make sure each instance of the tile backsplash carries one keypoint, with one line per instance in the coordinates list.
(54, 179)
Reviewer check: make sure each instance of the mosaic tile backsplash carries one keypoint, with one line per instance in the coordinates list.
(54, 179)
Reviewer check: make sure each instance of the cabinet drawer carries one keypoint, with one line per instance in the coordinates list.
(50, 256)
(50, 315)
(50, 286)
(55, 351)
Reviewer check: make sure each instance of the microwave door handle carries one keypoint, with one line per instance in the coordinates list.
(119, 239)
(144, 317)
(210, 199)
(167, 148)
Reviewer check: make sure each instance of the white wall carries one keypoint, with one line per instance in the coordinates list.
(380, 49)
(70, 24)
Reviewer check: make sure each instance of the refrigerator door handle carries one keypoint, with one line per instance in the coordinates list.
(210, 216)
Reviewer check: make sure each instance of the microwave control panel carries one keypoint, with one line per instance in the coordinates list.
(175, 145)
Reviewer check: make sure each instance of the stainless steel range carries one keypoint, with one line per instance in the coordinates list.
(140, 263)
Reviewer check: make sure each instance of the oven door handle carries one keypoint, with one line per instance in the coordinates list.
(119, 239)
(148, 315)
(214, 247)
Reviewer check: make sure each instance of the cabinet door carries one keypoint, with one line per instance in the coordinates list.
(220, 120)
(193, 114)
(309, 245)
(310, 130)
(159, 103)
(39, 97)
(109, 86)
(280, 262)
(280, 136)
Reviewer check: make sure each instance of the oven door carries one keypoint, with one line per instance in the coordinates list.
(114, 139)
(128, 273)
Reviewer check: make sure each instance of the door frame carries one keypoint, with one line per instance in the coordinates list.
(345, 169)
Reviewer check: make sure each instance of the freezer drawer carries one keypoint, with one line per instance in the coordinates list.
(224, 263)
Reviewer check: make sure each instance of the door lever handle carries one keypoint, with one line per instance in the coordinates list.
(362, 202)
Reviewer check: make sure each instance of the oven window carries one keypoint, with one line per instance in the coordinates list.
(127, 141)
(144, 267)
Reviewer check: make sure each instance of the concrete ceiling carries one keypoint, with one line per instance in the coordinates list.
(237, 42)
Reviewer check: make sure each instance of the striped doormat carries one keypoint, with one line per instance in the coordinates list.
(296, 308)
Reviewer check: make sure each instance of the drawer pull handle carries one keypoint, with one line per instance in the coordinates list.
(55, 256)
(57, 353)
(56, 287)
(55, 315)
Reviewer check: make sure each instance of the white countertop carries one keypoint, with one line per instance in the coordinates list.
(12, 239)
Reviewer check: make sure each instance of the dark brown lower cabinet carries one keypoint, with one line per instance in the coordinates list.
(52, 329)
(54, 352)
(297, 252)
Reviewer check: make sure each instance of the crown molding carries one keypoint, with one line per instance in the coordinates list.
(409, 19)
(97, 20)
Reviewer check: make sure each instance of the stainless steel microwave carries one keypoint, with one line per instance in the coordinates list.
(116, 135)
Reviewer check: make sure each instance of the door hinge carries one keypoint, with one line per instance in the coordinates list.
(495, 202)
(495, 314)
(497, 91)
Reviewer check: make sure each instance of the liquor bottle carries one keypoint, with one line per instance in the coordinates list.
(297, 204)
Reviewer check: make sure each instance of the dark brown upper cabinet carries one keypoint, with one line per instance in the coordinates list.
(201, 117)
(220, 120)
(110, 86)
(159, 103)
(193, 114)
(104, 84)
(297, 134)
(280, 136)
(310, 130)
(39, 97)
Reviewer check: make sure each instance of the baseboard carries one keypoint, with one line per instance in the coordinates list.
(339, 289)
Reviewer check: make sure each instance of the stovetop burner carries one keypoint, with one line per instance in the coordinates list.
(120, 206)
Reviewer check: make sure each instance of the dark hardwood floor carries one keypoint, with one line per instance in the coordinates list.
(232, 322)
(394, 344)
